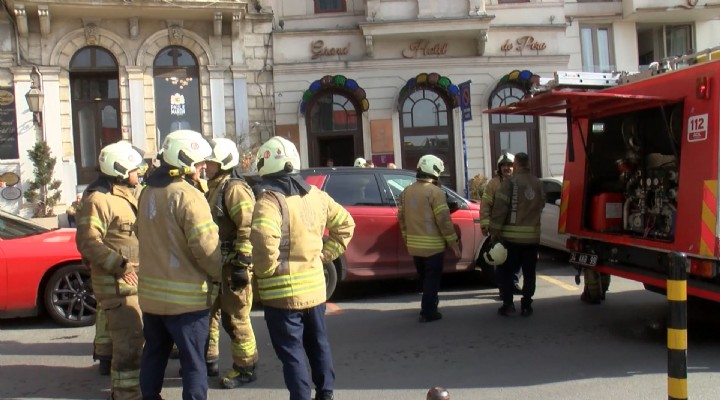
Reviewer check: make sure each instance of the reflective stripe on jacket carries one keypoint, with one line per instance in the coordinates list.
(424, 219)
(518, 205)
(105, 238)
(298, 282)
(180, 250)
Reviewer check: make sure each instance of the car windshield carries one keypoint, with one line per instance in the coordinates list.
(13, 227)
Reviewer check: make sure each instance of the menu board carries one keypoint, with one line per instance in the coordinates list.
(8, 124)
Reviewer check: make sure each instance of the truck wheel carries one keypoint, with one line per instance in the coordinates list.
(331, 278)
(68, 296)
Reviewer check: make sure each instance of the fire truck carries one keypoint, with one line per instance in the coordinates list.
(641, 171)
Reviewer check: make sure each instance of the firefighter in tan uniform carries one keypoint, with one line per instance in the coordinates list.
(180, 253)
(504, 171)
(515, 221)
(426, 226)
(231, 200)
(105, 238)
(288, 254)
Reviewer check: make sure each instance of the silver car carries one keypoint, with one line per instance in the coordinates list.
(549, 235)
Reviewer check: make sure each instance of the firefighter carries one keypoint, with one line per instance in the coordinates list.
(106, 240)
(504, 171)
(288, 253)
(426, 226)
(359, 162)
(180, 252)
(231, 201)
(596, 284)
(515, 220)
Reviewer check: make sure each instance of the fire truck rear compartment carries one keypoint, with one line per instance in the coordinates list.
(632, 173)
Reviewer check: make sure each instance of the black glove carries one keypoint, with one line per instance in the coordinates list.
(239, 277)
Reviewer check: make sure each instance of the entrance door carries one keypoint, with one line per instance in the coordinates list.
(95, 104)
(95, 125)
(334, 130)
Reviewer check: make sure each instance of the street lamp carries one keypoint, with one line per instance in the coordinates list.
(35, 97)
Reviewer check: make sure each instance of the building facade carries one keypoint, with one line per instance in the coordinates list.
(387, 80)
(132, 70)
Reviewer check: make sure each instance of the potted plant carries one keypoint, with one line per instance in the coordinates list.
(44, 191)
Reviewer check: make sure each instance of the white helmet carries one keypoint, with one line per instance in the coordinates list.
(185, 148)
(505, 158)
(431, 165)
(118, 159)
(224, 152)
(360, 162)
(496, 254)
(274, 154)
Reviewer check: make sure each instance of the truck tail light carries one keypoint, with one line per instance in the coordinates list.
(574, 244)
(707, 269)
(702, 87)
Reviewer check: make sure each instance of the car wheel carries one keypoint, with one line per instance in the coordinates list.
(331, 278)
(68, 297)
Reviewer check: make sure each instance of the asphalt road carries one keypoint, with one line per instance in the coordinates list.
(566, 350)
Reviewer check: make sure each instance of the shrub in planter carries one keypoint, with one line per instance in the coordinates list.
(44, 191)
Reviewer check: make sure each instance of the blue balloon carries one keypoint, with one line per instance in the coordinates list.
(351, 84)
(453, 90)
(315, 86)
(525, 75)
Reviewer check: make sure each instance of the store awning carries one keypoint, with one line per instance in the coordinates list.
(581, 104)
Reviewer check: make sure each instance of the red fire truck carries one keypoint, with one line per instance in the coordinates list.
(641, 172)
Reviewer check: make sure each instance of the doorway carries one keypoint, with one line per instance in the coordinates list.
(341, 149)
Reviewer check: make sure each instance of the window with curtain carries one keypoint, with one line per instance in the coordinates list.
(596, 48)
(177, 91)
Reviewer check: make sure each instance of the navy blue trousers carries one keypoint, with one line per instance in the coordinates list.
(295, 335)
(523, 257)
(429, 270)
(190, 332)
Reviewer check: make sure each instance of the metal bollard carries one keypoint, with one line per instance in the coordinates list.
(677, 326)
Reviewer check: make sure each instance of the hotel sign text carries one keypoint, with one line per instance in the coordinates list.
(523, 43)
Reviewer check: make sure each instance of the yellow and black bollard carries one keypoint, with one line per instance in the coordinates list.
(677, 326)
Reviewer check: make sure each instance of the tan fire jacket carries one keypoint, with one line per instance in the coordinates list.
(518, 205)
(424, 219)
(233, 214)
(106, 240)
(488, 199)
(179, 250)
(297, 282)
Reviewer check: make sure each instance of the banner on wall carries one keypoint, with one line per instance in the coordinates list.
(8, 124)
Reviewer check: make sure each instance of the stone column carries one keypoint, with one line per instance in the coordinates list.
(217, 99)
(240, 97)
(136, 97)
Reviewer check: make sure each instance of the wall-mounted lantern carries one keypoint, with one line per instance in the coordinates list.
(35, 97)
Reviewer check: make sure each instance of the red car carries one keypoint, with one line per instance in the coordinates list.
(377, 250)
(41, 268)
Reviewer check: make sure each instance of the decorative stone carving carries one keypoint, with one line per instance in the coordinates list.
(481, 41)
(175, 33)
(217, 24)
(369, 49)
(134, 26)
(92, 37)
(44, 16)
(21, 20)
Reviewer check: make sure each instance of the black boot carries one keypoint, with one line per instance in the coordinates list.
(324, 396)
(506, 309)
(526, 309)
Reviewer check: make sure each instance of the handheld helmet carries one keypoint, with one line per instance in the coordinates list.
(360, 162)
(224, 152)
(505, 158)
(438, 393)
(274, 154)
(118, 159)
(185, 148)
(431, 165)
(496, 254)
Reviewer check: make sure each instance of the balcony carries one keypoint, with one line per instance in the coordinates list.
(669, 11)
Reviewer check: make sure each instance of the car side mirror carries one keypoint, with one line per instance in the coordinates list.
(558, 202)
(453, 206)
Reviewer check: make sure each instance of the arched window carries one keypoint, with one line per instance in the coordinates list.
(333, 112)
(426, 128)
(95, 103)
(177, 91)
(513, 133)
